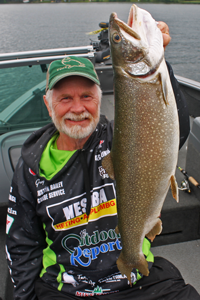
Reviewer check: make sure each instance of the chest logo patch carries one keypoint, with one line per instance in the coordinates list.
(72, 212)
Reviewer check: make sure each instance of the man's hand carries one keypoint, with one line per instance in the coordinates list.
(165, 33)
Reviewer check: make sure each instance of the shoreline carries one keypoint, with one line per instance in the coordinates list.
(98, 1)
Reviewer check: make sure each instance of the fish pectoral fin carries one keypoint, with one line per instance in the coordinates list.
(156, 230)
(108, 166)
(164, 88)
(174, 188)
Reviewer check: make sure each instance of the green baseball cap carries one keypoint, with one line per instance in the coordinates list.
(70, 66)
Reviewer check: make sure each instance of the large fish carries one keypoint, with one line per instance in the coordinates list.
(145, 145)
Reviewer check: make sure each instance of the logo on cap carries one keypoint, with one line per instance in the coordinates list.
(69, 63)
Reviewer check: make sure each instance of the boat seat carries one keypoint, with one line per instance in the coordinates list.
(181, 221)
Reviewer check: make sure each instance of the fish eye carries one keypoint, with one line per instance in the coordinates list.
(117, 38)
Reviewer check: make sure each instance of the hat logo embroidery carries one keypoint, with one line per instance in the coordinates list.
(69, 63)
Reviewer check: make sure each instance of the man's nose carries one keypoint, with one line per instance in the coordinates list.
(77, 106)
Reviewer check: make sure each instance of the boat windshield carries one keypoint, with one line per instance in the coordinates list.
(21, 99)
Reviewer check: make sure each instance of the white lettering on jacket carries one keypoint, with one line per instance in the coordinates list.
(45, 193)
(57, 193)
(12, 198)
(99, 156)
(56, 185)
(78, 208)
(12, 211)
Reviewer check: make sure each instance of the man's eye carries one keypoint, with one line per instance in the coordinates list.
(86, 96)
(65, 98)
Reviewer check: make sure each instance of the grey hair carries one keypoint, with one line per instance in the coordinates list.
(49, 97)
(50, 92)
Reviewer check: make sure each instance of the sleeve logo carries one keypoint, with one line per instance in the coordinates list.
(9, 223)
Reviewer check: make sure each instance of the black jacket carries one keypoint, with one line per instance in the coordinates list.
(181, 106)
(47, 220)
(79, 254)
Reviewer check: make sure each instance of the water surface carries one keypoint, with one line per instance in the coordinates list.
(43, 26)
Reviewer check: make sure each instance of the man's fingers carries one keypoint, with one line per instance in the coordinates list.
(165, 32)
(163, 27)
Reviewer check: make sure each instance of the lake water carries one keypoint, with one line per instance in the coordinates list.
(42, 26)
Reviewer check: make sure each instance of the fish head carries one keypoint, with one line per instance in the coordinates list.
(136, 47)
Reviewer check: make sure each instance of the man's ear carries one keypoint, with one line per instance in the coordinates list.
(47, 105)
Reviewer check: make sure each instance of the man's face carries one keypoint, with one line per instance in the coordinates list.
(75, 107)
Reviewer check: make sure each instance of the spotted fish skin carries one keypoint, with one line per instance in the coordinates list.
(145, 145)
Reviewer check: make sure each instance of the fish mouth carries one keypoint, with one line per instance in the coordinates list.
(144, 60)
(133, 15)
(124, 26)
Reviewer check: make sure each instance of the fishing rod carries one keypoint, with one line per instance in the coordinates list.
(185, 183)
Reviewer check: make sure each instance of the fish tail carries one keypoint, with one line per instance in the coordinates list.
(126, 268)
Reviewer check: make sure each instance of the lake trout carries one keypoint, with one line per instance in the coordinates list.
(145, 144)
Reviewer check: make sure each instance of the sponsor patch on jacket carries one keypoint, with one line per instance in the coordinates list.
(73, 210)
(9, 222)
(97, 291)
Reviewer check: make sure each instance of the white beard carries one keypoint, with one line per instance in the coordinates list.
(76, 131)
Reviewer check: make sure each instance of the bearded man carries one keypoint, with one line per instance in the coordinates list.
(61, 243)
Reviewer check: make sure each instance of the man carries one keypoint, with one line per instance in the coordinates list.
(61, 243)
